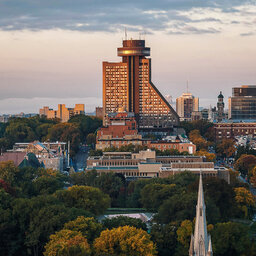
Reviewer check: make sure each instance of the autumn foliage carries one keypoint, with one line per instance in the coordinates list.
(124, 241)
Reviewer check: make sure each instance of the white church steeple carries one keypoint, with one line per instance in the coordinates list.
(200, 244)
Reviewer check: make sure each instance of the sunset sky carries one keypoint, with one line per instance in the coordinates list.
(52, 51)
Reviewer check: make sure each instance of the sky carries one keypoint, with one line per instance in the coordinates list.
(51, 51)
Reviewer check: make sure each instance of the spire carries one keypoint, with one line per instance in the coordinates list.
(191, 247)
(209, 246)
(201, 241)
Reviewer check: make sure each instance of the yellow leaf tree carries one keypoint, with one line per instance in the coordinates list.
(184, 232)
(210, 157)
(198, 140)
(67, 243)
(245, 200)
(124, 241)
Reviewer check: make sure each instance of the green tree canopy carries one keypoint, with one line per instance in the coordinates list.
(86, 124)
(165, 238)
(158, 193)
(88, 198)
(66, 132)
(231, 239)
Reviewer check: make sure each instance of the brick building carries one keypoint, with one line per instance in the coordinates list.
(231, 130)
(122, 131)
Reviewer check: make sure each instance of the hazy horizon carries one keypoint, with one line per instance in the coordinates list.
(52, 53)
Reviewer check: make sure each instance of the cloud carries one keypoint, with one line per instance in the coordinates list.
(114, 15)
(248, 34)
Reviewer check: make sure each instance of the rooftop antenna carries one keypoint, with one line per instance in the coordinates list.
(187, 86)
(125, 33)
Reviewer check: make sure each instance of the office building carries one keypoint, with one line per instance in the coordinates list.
(127, 87)
(242, 104)
(185, 105)
(63, 113)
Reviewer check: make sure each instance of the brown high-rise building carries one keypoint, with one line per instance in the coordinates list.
(127, 87)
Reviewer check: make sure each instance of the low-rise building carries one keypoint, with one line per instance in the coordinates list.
(51, 155)
(122, 131)
(230, 130)
(146, 164)
(63, 113)
(20, 159)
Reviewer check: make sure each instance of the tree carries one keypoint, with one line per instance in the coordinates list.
(182, 206)
(245, 200)
(88, 227)
(124, 241)
(202, 126)
(253, 176)
(109, 183)
(85, 197)
(67, 243)
(221, 194)
(7, 188)
(37, 218)
(184, 232)
(158, 193)
(86, 124)
(177, 208)
(165, 238)
(231, 239)
(244, 150)
(210, 157)
(121, 221)
(91, 139)
(66, 132)
(226, 148)
(8, 230)
(198, 140)
(245, 163)
(20, 130)
(8, 172)
(97, 152)
(43, 130)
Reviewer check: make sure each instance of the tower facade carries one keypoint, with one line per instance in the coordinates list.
(242, 104)
(200, 244)
(185, 105)
(127, 87)
(220, 107)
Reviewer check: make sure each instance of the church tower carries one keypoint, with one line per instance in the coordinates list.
(200, 244)
(220, 106)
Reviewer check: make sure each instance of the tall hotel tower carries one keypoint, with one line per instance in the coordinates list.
(127, 87)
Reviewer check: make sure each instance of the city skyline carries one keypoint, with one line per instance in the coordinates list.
(51, 57)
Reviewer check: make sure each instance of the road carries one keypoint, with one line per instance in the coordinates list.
(80, 159)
